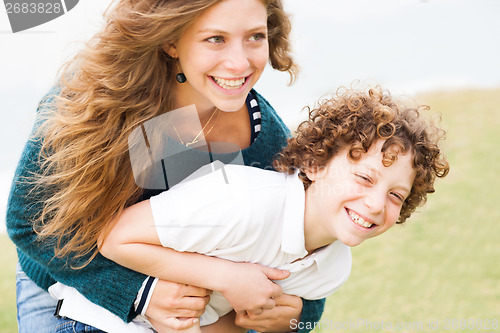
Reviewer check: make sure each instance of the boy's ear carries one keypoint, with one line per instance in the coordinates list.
(310, 174)
(314, 172)
(170, 49)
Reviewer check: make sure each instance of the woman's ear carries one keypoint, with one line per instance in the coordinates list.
(171, 50)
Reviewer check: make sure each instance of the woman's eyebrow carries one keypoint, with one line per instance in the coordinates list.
(219, 31)
(212, 31)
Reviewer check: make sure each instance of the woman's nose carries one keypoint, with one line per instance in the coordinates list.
(237, 59)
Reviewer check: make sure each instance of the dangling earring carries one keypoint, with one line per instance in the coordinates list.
(180, 77)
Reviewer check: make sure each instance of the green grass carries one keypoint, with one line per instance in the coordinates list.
(441, 270)
(8, 258)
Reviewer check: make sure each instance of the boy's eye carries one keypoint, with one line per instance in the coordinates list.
(398, 196)
(215, 39)
(364, 178)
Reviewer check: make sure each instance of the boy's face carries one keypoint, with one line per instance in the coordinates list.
(355, 200)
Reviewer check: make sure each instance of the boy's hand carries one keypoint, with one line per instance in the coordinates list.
(249, 287)
(171, 300)
(278, 319)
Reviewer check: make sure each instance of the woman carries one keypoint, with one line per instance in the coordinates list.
(152, 56)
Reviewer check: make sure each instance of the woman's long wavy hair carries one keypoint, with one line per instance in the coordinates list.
(355, 120)
(120, 79)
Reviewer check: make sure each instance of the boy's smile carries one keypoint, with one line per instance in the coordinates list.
(359, 220)
(353, 200)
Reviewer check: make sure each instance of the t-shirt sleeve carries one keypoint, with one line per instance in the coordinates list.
(202, 214)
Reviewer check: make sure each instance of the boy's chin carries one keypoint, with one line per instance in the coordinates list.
(352, 242)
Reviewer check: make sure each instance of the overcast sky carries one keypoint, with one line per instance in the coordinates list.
(406, 45)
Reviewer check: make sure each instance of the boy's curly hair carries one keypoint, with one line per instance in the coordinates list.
(355, 120)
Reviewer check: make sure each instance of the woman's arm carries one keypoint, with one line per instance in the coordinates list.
(118, 286)
(133, 242)
(102, 281)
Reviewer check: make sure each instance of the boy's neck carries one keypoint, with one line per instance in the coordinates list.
(315, 237)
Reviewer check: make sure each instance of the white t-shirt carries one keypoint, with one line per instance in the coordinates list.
(239, 213)
(247, 214)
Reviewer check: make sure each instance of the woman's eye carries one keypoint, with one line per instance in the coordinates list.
(257, 37)
(215, 39)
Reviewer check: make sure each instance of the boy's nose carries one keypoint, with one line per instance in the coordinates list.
(375, 202)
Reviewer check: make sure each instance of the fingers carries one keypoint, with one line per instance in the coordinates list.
(267, 300)
(289, 300)
(274, 273)
(276, 291)
(190, 306)
(277, 319)
(181, 290)
(160, 313)
(192, 291)
(184, 322)
(269, 304)
(171, 299)
(256, 312)
(174, 324)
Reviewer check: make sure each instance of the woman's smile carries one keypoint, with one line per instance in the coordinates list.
(232, 86)
(222, 54)
(229, 84)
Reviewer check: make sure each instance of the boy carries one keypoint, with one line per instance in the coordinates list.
(360, 164)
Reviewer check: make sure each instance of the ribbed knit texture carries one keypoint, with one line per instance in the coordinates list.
(103, 281)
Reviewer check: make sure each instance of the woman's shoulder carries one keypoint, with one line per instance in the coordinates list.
(46, 105)
(271, 139)
(271, 121)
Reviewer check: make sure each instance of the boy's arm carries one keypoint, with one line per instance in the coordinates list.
(133, 242)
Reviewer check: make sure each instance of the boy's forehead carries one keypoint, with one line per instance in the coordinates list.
(375, 152)
(376, 148)
(401, 171)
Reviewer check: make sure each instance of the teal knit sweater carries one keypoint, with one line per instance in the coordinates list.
(102, 281)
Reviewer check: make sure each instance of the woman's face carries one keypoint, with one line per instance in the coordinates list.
(223, 54)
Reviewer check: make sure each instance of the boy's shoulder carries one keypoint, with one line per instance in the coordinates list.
(235, 175)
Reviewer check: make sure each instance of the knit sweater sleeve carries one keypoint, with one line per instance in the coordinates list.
(102, 281)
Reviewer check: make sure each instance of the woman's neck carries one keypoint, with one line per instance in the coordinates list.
(218, 125)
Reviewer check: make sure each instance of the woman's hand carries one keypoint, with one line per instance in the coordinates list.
(277, 319)
(224, 324)
(172, 300)
(249, 287)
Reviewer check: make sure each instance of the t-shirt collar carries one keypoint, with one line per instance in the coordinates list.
(293, 240)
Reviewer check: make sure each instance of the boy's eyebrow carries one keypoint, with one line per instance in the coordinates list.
(404, 188)
(401, 187)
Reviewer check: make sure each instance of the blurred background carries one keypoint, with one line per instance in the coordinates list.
(439, 272)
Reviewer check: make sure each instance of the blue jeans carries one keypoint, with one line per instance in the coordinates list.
(67, 325)
(35, 310)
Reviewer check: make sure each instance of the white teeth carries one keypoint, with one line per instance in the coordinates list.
(359, 220)
(229, 84)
